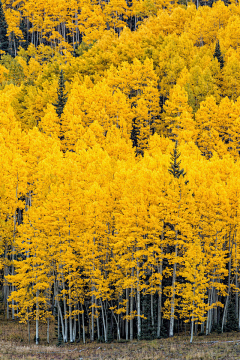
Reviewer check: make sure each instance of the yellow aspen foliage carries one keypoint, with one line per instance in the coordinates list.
(231, 78)
(91, 22)
(49, 123)
(142, 126)
(193, 292)
(109, 107)
(158, 143)
(137, 81)
(13, 20)
(208, 23)
(115, 12)
(201, 81)
(73, 133)
(3, 74)
(169, 70)
(117, 146)
(31, 70)
(92, 237)
(230, 35)
(177, 117)
(8, 120)
(205, 120)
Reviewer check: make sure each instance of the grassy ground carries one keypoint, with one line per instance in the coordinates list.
(13, 345)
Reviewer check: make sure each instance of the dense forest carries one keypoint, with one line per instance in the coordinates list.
(120, 177)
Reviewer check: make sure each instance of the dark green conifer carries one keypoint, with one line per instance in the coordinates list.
(61, 100)
(232, 322)
(217, 54)
(175, 163)
(148, 331)
(4, 43)
(62, 95)
(135, 132)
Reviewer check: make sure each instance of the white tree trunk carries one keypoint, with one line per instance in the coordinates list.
(48, 330)
(160, 270)
(92, 320)
(138, 305)
(65, 314)
(229, 285)
(83, 325)
(37, 318)
(104, 322)
(173, 292)
(127, 313)
(192, 326)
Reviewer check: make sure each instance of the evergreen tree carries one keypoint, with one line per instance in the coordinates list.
(61, 101)
(134, 136)
(175, 163)
(4, 43)
(62, 96)
(148, 331)
(232, 322)
(217, 54)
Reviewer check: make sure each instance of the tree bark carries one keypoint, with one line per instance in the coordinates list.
(229, 285)
(173, 289)
(127, 313)
(138, 304)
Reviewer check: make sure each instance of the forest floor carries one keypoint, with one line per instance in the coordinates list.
(13, 345)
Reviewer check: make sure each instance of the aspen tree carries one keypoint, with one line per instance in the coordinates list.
(205, 119)
(178, 115)
(193, 292)
(231, 78)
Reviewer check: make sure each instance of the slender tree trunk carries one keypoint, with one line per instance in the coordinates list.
(208, 315)
(92, 320)
(74, 328)
(173, 289)
(117, 323)
(13, 244)
(229, 285)
(239, 313)
(211, 312)
(160, 296)
(62, 323)
(8, 302)
(37, 318)
(192, 327)
(5, 286)
(83, 325)
(48, 330)
(28, 321)
(215, 310)
(58, 323)
(70, 318)
(131, 309)
(152, 314)
(79, 325)
(127, 313)
(236, 280)
(104, 322)
(138, 304)
(65, 313)
(70, 323)
(98, 329)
